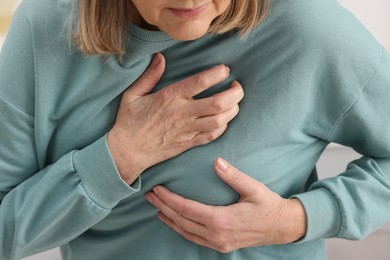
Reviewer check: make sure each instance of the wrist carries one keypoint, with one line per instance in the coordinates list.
(126, 164)
(299, 219)
(291, 222)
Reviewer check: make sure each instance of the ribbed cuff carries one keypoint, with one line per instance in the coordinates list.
(100, 177)
(323, 214)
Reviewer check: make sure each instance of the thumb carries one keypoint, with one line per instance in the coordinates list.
(239, 181)
(148, 80)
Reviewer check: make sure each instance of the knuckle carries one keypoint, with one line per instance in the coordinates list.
(211, 136)
(202, 80)
(207, 137)
(222, 244)
(217, 122)
(218, 104)
(225, 249)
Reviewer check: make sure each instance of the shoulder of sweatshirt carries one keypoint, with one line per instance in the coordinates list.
(329, 50)
(41, 11)
(325, 27)
(39, 28)
(49, 20)
(331, 37)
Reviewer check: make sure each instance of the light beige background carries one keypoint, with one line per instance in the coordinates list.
(7, 7)
(375, 15)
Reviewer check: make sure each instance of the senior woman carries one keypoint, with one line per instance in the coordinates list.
(92, 165)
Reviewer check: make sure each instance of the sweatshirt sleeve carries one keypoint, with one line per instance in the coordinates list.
(44, 207)
(356, 202)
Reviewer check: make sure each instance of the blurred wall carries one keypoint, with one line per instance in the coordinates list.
(7, 7)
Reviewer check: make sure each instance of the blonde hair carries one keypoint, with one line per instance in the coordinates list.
(102, 25)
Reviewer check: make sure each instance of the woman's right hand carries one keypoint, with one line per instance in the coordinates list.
(153, 127)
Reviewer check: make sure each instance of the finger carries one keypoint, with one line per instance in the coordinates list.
(189, 209)
(209, 123)
(197, 83)
(148, 80)
(239, 181)
(219, 102)
(182, 222)
(200, 240)
(207, 137)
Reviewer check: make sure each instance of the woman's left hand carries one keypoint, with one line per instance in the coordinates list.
(261, 217)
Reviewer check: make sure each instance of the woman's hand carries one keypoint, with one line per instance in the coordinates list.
(261, 217)
(151, 128)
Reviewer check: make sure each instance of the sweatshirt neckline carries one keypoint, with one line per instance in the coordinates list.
(142, 44)
(147, 35)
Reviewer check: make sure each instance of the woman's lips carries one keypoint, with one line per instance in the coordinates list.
(188, 13)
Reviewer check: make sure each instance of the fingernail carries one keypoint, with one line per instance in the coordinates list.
(155, 190)
(222, 164)
(227, 68)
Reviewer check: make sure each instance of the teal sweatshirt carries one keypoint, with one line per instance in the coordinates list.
(311, 73)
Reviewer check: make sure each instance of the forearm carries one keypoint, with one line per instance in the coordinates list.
(60, 202)
(351, 205)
